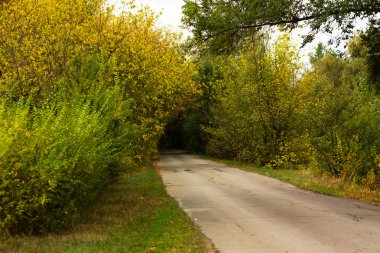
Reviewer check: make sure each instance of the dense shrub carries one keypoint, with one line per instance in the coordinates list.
(343, 116)
(326, 118)
(54, 160)
(196, 119)
(255, 119)
(80, 87)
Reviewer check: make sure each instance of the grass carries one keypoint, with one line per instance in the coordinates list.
(309, 180)
(134, 214)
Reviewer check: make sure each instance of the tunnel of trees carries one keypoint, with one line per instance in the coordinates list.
(85, 92)
(173, 138)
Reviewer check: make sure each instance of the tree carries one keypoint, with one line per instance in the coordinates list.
(320, 52)
(48, 47)
(342, 115)
(255, 118)
(371, 40)
(197, 118)
(39, 39)
(225, 24)
(365, 46)
(81, 89)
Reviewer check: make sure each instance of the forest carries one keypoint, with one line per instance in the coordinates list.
(86, 93)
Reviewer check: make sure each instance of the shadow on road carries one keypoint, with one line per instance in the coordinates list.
(174, 152)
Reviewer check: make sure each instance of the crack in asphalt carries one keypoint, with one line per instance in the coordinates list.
(353, 216)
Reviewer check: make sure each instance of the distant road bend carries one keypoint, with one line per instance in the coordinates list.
(245, 212)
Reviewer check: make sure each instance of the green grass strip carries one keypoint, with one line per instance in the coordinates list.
(309, 180)
(134, 214)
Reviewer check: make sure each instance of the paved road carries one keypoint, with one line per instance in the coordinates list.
(244, 212)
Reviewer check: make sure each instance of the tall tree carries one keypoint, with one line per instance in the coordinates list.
(366, 46)
(225, 23)
(254, 120)
(371, 39)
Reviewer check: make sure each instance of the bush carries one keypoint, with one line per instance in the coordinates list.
(343, 121)
(255, 119)
(55, 160)
(82, 102)
(346, 139)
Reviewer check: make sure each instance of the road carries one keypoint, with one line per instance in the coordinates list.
(245, 212)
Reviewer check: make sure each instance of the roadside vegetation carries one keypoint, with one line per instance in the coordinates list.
(133, 214)
(261, 105)
(310, 180)
(84, 94)
(271, 115)
(263, 110)
(87, 92)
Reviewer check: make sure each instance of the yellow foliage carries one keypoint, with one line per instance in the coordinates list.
(41, 41)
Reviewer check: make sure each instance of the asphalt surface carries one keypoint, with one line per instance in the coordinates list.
(245, 212)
